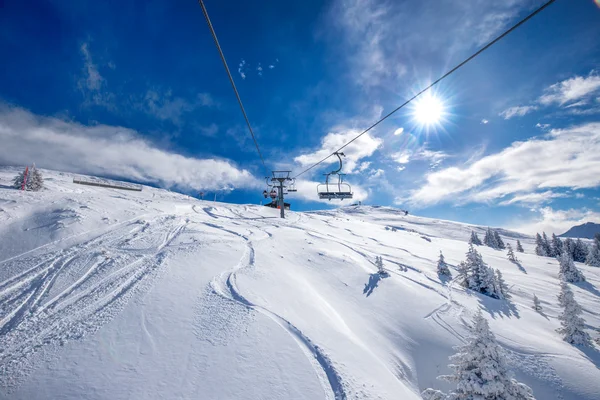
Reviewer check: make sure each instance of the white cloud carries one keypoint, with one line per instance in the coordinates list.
(364, 165)
(570, 90)
(563, 158)
(556, 221)
(109, 151)
(517, 111)
(241, 69)
(402, 157)
(91, 79)
(542, 126)
(485, 121)
(363, 147)
(164, 106)
(399, 131)
(422, 154)
(531, 199)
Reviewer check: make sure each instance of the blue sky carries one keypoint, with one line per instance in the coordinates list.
(136, 90)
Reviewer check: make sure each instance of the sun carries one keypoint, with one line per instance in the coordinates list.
(429, 110)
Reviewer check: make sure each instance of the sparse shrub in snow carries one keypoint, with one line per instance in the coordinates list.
(476, 275)
(556, 246)
(33, 180)
(442, 267)
(593, 257)
(568, 271)
(379, 265)
(499, 241)
(572, 324)
(510, 254)
(536, 303)
(474, 239)
(520, 247)
(480, 370)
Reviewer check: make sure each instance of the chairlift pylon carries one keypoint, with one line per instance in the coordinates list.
(339, 190)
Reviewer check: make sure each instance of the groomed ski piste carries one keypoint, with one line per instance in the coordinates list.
(112, 294)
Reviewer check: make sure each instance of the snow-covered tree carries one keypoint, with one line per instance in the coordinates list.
(32, 178)
(536, 303)
(480, 370)
(477, 276)
(490, 239)
(499, 241)
(572, 325)
(547, 245)
(540, 249)
(593, 256)
(475, 239)
(379, 264)
(556, 246)
(519, 247)
(568, 246)
(568, 271)
(580, 252)
(502, 286)
(442, 267)
(510, 254)
(35, 181)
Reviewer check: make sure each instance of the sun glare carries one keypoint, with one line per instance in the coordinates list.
(429, 110)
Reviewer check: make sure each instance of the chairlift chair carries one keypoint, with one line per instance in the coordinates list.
(339, 190)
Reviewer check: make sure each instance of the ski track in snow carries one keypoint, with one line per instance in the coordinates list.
(70, 293)
(225, 286)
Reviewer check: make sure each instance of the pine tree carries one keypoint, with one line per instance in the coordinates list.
(510, 254)
(593, 256)
(502, 286)
(572, 324)
(540, 249)
(474, 239)
(547, 246)
(499, 241)
(379, 264)
(568, 271)
(568, 246)
(19, 179)
(580, 252)
(480, 370)
(442, 267)
(35, 181)
(490, 239)
(477, 276)
(519, 247)
(536, 303)
(556, 246)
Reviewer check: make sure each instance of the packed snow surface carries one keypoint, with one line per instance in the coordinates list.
(112, 294)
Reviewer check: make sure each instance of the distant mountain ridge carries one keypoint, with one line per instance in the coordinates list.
(584, 231)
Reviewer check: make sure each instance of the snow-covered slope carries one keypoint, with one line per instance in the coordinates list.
(109, 294)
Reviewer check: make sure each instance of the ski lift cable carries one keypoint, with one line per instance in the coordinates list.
(450, 72)
(237, 95)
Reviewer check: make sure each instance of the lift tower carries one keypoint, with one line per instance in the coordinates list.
(278, 179)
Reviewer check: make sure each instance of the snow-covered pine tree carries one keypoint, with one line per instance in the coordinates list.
(502, 286)
(572, 324)
(477, 276)
(379, 264)
(18, 180)
(35, 181)
(556, 246)
(568, 246)
(519, 247)
(536, 303)
(510, 254)
(480, 370)
(490, 239)
(499, 241)
(568, 271)
(442, 267)
(547, 246)
(540, 249)
(593, 256)
(474, 239)
(580, 252)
